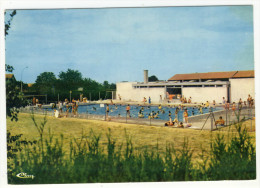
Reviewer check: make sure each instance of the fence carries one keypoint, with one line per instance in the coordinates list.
(201, 121)
(230, 116)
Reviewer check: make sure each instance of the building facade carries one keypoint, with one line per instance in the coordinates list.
(201, 87)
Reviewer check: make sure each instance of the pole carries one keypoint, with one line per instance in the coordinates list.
(58, 97)
(126, 116)
(226, 117)
(105, 113)
(251, 119)
(99, 95)
(22, 78)
(46, 98)
(211, 121)
(70, 95)
(150, 115)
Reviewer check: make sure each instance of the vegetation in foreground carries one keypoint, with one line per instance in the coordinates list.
(88, 161)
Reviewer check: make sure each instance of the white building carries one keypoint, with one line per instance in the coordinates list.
(201, 87)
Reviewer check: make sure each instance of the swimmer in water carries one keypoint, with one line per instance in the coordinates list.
(201, 110)
(156, 115)
(140, 114)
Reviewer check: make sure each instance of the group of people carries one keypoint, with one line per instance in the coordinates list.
(176, 122)
(70, 108)
(145, 100)
(239, 105)
(184, 100)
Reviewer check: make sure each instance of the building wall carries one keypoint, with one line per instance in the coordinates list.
(204, 94)
(241, 87)
(127, 92)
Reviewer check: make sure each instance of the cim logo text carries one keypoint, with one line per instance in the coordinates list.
(24, 175)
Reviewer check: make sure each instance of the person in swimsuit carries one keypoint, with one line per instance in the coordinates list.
(185, 115)
(107, 111)
(128, 110)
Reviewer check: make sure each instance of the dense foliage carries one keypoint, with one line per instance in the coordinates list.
(69, 83)
(8, 22)
(152, 78)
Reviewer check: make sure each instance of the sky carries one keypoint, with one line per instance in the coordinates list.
(117, 44)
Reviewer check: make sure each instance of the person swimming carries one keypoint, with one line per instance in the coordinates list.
(156, 115)
(140, 114)
(201, 110)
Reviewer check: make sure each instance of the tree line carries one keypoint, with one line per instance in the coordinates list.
(68, 85)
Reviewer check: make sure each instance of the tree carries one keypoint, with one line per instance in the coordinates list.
(71, 76)
(45, 78)
(14, 98)
(8, 23)
(70, 80)
(152, 78)
(45, 82)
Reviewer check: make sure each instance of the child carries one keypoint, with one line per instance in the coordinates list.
(180, 125)
(220, 121)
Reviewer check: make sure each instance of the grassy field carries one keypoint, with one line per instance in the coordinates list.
(85, 151)
(142, 136)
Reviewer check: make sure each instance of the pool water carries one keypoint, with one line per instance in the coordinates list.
(120, 111)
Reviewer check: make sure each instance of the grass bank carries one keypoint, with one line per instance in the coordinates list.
(142, 136)
(98, 151)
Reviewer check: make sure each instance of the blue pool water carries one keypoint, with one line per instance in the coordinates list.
(120, 110)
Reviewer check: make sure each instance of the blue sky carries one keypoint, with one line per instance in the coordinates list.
(117, 44)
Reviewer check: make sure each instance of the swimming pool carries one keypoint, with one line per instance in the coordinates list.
(120, 111)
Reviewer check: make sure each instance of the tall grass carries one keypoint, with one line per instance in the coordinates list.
(89, 162)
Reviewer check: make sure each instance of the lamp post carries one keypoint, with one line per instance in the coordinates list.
(22, 78)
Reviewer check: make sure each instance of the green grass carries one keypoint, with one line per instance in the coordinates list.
(103, 156)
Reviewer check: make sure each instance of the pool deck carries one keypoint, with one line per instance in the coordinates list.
(174, 102)
(199, 122)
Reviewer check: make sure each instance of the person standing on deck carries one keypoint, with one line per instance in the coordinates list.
(185, 115)
(128, 110)
(160, 99)
(107, 111)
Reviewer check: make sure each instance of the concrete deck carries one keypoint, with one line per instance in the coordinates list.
(198, 122)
